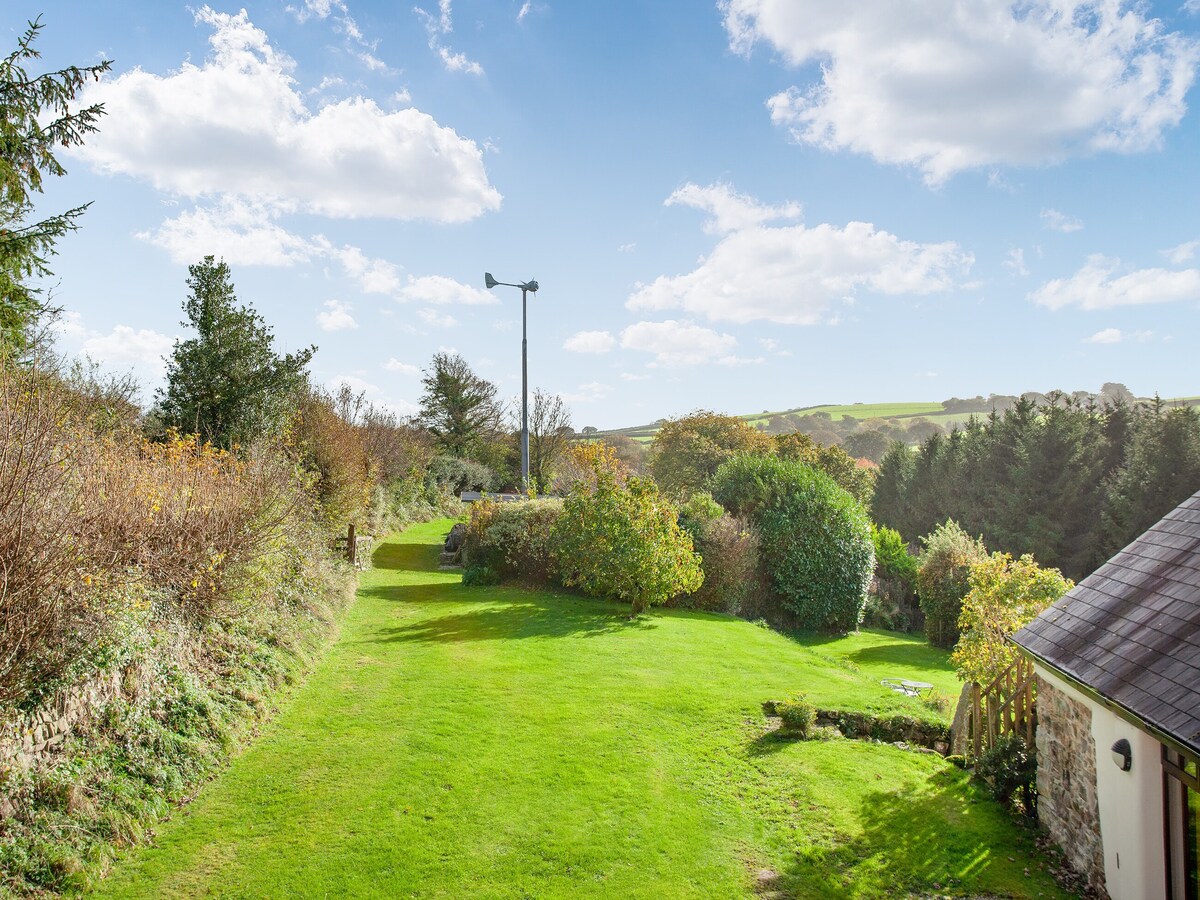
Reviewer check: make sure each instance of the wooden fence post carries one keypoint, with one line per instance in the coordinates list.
(351, 545)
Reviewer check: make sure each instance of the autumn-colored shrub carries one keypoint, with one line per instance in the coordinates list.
(335, 452)
(92, 522)
(734, 581)
(624, 542)
(1005, 595)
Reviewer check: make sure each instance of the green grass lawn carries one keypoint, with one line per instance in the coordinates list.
(484, 742)
(888, 654)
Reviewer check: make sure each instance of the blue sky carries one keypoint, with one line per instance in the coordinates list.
(744, 205)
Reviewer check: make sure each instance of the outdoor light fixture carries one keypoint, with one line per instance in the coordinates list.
(527, 287)
(1122, 755)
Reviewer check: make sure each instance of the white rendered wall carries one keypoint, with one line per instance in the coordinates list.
(1131, 804)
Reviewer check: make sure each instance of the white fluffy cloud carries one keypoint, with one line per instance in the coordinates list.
(437, 27)
(240, 232)
(676, 343)
(394, 365)
(336, 317)
(791, 274)
(950, 85)
(1182, 253)
(436, 319)
(1098, 285)
(141, 350)
(1057, 221)
(1105, 336)
(590, 342)
(587, 393)
(237, 126)
(126, 347)
(439, 290)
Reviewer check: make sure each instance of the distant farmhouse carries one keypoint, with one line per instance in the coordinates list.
(1118, 665)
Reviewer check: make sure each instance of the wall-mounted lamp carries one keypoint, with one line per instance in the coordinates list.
(1122, 755)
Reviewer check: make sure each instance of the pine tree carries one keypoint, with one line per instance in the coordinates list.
(27, 154)
(227, 384)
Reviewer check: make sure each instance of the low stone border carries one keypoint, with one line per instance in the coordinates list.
(889, 729)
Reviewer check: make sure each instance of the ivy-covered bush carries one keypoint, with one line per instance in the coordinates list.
(1010, 770)
(814, 538)
(943, 579)
(624, 542)
(513, 540)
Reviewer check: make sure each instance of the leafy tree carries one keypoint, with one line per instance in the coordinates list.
(227, 384)
(549, 435)
(944, 579)
(27, 145)
(687, 451)
(872, 444)
(460, 408)
(835, 462)
(1005, 595)
(624, 542)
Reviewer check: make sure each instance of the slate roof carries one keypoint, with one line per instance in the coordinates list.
(1130, 632)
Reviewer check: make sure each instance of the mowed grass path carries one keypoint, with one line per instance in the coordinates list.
(484, 742)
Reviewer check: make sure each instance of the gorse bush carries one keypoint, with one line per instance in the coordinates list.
(91, 522)
(944, 579)
(814, 538)
(197, 573)
(624, 542)
(513, 540)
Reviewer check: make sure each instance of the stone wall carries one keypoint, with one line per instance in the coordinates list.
(28, 738)
(1067, 799)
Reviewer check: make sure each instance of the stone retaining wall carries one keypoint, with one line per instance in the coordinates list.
(27, 738)
(1067, 800)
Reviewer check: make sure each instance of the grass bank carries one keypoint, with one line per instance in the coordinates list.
(498, 742)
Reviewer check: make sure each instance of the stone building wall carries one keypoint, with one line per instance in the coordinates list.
(1067, 799)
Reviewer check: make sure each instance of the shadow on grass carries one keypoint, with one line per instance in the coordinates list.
(525, 616)
(900, 653)
(407, 557)
(943, 832)
(770, 742)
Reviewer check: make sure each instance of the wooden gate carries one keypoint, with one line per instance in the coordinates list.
(1006, 706)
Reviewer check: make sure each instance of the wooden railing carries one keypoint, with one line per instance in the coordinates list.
(1006, 706)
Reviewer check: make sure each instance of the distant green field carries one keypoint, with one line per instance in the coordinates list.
(860, 411)
(933, 411)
